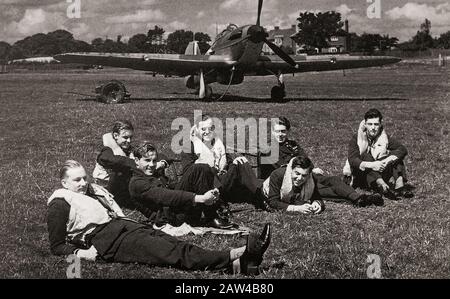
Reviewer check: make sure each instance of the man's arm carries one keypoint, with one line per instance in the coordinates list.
(396, 150)
(57, 217)
(274, 197)
(142, 190)
(107, 159)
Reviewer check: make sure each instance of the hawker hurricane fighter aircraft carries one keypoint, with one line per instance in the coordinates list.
(235, 53)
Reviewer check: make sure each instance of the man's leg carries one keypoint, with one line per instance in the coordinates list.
(332, 187)
(199, 178)
(149, 246)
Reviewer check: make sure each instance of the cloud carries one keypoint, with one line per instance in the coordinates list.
(438, 15)
(35, 21)
(141, 16)
(177, 25)
(344, 10)
(200, 14)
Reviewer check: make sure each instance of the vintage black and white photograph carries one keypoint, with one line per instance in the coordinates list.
(241, 141)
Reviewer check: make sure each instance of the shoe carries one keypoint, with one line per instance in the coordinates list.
(254, 251)
(363, 201)
(261, 202)
(376, 199)
(219, 223)
(389, 194)
(401, 192)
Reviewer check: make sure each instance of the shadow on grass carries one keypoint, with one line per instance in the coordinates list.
(233, 98)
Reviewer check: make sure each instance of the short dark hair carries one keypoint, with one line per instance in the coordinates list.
(66, 166)
(283, 121)
(203, 117)
(143, 148)
(302, 162)
(373, 113)
(122, 125)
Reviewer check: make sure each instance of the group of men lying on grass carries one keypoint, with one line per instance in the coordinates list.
(87, 219)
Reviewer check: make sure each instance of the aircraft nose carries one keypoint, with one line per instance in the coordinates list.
(257, 33)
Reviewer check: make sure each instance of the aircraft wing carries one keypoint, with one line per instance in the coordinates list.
(170, 64)
(317, 63)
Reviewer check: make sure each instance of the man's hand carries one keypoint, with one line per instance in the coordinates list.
(209, 198)
(240, 160)
(87, 254)
(317, 170)
(316, 208)
(161, 164)
(379, 165)
(304, 209)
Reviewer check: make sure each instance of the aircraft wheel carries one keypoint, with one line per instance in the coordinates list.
(113, 92)
(208, 92)
(277, 94)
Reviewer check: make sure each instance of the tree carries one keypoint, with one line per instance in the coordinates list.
(203, 41)
(180, 39)
(138, 43)
(5, 50)
(155, 40)
(423, 39)
(316, 29)
(444, 40)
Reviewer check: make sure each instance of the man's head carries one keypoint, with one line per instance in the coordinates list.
(373, 122)
(145, 156)
(301, 169)
(205, 128)
(123, 134)
(280, 129)
(73, 177)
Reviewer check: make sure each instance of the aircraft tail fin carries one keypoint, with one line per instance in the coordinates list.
(193, 49)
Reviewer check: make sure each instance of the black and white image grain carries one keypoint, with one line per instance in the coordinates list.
(354, 94)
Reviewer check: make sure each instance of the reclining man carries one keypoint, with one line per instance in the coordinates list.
(115, 163)
(293, 188)
(193, 200)
(83, 219)
(234, 178)
(329, 187)
(375, 160)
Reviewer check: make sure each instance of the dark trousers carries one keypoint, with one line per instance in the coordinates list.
(368, 178)
(332, 187)
(239, 184)
(198, 178)
(129, 242)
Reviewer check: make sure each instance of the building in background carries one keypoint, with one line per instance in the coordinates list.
(283, 39)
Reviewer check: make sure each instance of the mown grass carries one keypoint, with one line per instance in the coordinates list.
(42, 126)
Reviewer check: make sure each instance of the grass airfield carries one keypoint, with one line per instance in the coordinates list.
(43, 125)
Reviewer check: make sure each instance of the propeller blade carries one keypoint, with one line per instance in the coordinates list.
(277, 50)
(260, 4)
(201, 93)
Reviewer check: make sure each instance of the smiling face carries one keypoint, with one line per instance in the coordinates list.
(299, 176)
(123, 138)
(147, 163)
(373, 127)
(75, 180)
(206, 129)
(279, 133)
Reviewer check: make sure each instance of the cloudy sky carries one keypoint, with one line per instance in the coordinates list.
(109, 18)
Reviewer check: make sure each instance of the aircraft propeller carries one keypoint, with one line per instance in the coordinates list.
(258, 34)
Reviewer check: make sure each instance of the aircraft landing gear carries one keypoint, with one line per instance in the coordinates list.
(113, 92)
(208, 93)
(278, 92)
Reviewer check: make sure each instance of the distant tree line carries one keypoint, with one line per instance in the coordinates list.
(316, 29)
(62, 41)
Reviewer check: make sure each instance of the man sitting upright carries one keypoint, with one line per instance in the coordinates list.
(375, 160)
